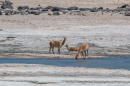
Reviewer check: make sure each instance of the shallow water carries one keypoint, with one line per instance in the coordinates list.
(108, 62)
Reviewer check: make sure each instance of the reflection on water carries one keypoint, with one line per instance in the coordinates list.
(108, 62)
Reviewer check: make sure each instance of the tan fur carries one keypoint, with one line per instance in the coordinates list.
(56, 43)
(72, 48)
(82, 49)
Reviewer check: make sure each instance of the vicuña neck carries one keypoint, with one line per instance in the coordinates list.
(63, 42)
(67, 47)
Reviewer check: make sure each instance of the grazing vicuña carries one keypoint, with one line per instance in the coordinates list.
(82, 49)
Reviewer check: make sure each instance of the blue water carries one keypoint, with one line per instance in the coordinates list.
(108, 62)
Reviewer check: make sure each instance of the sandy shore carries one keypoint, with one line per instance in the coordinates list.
(58, 81)
(38, 75)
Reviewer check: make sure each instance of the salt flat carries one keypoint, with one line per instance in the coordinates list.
(58, 81)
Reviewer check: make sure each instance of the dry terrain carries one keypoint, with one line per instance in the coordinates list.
(29, 36)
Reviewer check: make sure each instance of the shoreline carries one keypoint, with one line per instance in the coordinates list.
(50, 70)
(31, 55)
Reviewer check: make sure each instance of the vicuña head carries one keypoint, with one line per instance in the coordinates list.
(83, 48)
(56, 43)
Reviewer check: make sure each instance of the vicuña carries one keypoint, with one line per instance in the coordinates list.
(82, 49)
(56, 43)
(71, 48)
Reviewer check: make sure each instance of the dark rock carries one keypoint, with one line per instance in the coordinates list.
(56, 13)
(100, 8)
(12, 12)
(72, 8)
(32, 8)
(23, 8)
(83, 9)
(106, 10)
(37, 13)
(124, 6)
(4, 6)
(43, 10)
(0, 12)
(121, 9)
(34, 12)
(127, 13)
(29, 11)
(63, 9)
(55, 9)
(48, 7)
(16, 12)
(128, 9)
(113, 10)
(9, 12)
(7, 4)
(10, 37)
(93, 9)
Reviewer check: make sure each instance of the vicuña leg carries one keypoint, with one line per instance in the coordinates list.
(59, 50)
(85, 54)
(50, 50)
(82, 54)
(53, 50)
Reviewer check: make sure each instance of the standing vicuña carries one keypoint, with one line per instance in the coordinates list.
(82, 49)
(56, 43)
